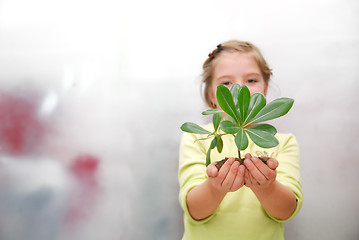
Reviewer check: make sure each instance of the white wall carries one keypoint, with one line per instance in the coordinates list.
(124, 75)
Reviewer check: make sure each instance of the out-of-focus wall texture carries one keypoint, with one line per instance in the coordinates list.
(92, 95)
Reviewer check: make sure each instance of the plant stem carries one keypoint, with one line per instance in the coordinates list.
(239, 155)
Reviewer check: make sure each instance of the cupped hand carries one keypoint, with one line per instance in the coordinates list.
(229, 178)
(259, 174)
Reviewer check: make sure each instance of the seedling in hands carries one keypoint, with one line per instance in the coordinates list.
(244, 113)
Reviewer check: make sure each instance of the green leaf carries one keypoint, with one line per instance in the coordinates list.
(234, 91)
(213, 143)
(257, 102)
(212, 146)
(264, 128)
(219, 143)
(241, 140)
(217, 117)
(226, 102)
(243, 100)
(201, 139)
(211, 111)
(208, 157)
(193, 128)
(274, 109)
(229, 127)
(262, 138)
(229, 118)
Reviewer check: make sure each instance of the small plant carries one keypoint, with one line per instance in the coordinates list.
(244, 112)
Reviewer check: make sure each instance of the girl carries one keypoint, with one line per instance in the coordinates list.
(249, 201)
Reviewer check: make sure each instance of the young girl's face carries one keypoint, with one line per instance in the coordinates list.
(240, 68)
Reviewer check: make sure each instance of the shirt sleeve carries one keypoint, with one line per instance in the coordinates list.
(192, 169)
(288, 171)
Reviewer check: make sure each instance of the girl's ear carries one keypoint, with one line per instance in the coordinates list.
(212, 97)
(265, 89)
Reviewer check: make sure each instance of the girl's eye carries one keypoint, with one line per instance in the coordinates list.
(251, 81)
(227, 83)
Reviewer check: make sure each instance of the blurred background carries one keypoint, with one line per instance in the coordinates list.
(92, 95)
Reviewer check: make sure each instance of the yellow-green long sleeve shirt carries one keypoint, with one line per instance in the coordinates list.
(240, 214)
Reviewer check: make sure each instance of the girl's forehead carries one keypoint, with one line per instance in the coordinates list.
(236, 62)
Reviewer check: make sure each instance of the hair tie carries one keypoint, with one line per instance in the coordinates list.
(219, 47)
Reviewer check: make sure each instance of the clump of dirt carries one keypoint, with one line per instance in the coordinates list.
(241, 161)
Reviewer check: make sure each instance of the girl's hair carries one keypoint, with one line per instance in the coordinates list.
(231, 46)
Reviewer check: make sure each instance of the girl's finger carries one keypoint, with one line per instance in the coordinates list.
(253, 180)
(254, 171)
(229, 179)
(272, 163)
(212, 171)
(239, 180)
(224, 170)
(263, 168)
(247, 180)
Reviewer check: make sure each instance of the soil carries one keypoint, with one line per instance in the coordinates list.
(220, 163)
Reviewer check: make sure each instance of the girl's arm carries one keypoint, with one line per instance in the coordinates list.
(278, 200)
(203, 200)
